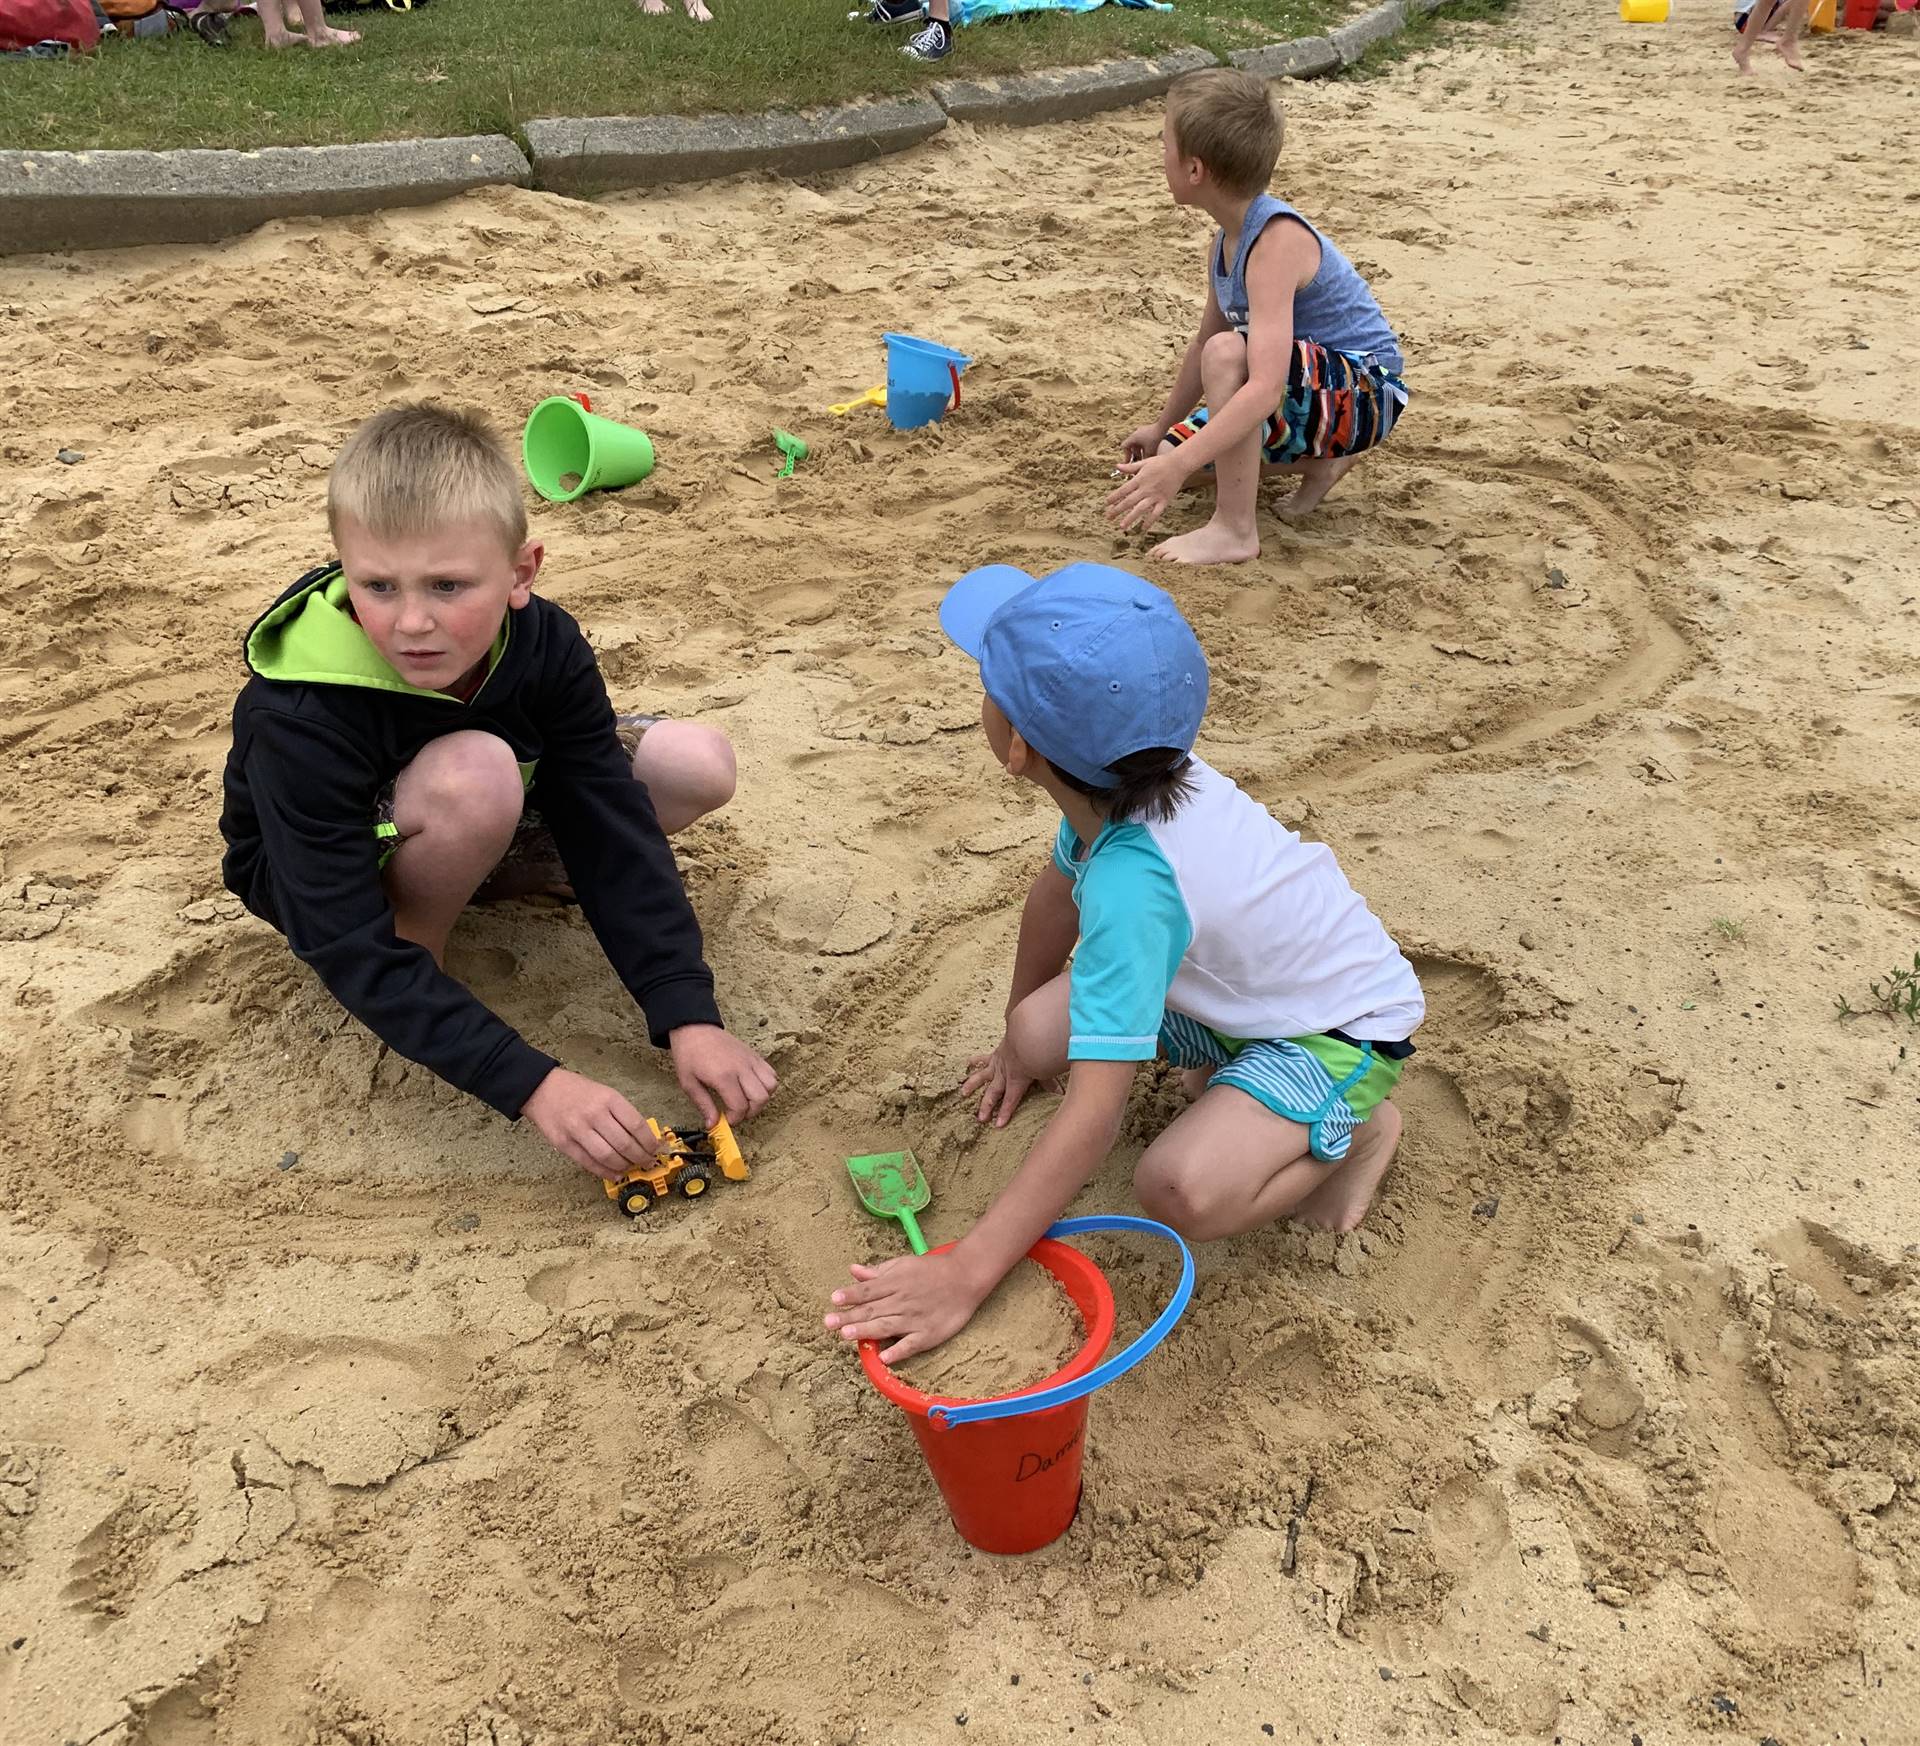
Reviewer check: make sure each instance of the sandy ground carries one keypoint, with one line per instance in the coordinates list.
(338, 1411)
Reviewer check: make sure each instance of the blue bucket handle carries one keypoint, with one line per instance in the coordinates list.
(1014, 1405)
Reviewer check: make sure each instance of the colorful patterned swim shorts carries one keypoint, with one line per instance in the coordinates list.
(1329, 1085)
(1337, 404)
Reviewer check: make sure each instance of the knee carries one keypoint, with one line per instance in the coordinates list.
(712, 771)
(695, 761)
(468, 777)
(1175, 1190)
(1224, 357)
(1030, 1034)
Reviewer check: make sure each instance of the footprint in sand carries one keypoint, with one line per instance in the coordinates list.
(825, 910)
(1463, 1000)
(804, 1644)
(1354, 684)
(360, 1411)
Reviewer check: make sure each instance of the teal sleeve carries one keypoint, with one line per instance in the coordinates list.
(1134, 930)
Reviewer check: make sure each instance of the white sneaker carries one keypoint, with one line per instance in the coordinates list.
(934, 43)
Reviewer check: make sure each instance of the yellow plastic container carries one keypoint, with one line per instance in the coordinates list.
(1649, 11)
(1822, 15)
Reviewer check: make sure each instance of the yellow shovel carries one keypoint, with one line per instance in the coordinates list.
(874, 396)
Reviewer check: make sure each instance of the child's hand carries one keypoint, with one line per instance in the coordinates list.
(1150, 487)
(1003, 1085)
(1144, 442)
(915, 1301)
(714, 1064)
(591, 1123)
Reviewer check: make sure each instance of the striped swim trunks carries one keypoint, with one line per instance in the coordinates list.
(1337, 404)
(1329, 1085)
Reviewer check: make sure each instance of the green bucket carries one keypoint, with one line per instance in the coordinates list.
(569, 451)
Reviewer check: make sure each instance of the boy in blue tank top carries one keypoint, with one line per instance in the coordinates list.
(1200, 929)
(1299, 369)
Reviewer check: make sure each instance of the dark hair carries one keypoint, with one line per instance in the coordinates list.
(1153, 784)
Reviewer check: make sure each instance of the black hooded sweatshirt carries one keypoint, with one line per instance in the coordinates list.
(322, 726)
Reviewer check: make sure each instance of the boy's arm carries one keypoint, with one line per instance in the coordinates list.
(1185, 393)
(1286, 256)
(311, 792)
(1070, 1149)
(616, 855)
(629, 886)
(917, 1301)
(1049, 924)
(1134, 932)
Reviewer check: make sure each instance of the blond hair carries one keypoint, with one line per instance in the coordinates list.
(415, 467)
(1227, 118)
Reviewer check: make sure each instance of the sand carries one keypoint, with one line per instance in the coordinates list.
(1023, 1333)
(336, 1410)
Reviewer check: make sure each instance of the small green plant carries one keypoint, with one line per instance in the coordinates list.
(1895, 995)
(1729, 929)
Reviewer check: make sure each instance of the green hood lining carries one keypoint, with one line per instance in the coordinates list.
(312, 638)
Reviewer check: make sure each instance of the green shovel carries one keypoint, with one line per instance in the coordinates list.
(890, 1186)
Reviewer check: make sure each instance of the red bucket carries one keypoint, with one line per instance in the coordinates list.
(1013, 1484)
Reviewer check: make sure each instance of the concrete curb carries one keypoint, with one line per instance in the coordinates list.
(1351, 41)
(80, 200)
(1306, 57)
(97, 200)
(1067, 93)
(591, 156)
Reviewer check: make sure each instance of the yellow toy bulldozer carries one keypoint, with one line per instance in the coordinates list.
(686, 1160)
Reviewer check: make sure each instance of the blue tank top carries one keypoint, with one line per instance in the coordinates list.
(1334, 307)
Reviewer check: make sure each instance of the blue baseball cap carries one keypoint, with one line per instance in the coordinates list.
(1089, 663)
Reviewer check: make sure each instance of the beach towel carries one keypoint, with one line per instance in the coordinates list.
(978, 11)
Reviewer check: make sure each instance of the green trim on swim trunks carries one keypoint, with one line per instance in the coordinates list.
(1341, 1060)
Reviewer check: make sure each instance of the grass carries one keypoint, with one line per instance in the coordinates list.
(488, 66)
(1729, 929)
(1895, 995)
(1423, 32)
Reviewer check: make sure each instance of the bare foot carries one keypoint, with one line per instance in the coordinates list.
(1790, 53)
(1743, 56)
(1193, 1081)
(697, 11)
(1317, 478)
(284, 39)
(1341, 1202)
(331, 38)
(654, 8)
(1213, 544)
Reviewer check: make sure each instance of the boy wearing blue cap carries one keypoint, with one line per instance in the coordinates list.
(1199, 927)
(1299, 369)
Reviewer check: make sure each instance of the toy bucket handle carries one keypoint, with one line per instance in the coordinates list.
(953, 370)
(1013, 1405)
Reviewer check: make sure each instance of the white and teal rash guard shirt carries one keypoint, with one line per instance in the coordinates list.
(1225, 915)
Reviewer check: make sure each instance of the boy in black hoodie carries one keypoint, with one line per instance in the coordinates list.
(406, 703)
